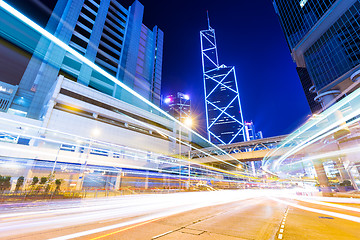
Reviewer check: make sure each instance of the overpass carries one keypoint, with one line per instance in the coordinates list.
(254, 150)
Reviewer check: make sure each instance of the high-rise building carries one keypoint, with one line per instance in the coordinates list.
(323, 37)
(178, 106)
(309, 89)
(106, 33)
(224, 117)
(251, 133)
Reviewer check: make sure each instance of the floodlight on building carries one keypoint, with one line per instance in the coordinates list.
(168, 100)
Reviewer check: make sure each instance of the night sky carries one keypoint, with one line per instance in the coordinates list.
(249, 37)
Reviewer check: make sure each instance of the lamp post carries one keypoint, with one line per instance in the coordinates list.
(179, 105)
(189, 122)
(94, 133)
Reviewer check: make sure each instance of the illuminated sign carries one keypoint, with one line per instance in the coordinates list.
(302, 3)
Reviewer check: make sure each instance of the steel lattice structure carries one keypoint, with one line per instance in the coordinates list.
(224, 116)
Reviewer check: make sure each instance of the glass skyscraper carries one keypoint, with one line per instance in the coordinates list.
(106, 33)
(324, 39)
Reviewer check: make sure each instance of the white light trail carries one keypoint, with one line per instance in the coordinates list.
(333, 214)
(67, 48)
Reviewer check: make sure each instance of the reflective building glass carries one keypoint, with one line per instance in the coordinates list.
(337, 51)
(297, 17)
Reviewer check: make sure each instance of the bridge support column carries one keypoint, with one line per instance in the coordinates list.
(118, 180)
(344, 175)
(322, 178)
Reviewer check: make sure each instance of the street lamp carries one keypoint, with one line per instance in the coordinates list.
(179, 105)
(93, 134)
(189, 122)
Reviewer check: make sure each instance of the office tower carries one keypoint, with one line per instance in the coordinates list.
(224, 117)
(178, 106)
(323, 37)
(251, 133)
(107, 34)
(309, 90)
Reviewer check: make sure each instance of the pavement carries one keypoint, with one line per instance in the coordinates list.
(243, 214)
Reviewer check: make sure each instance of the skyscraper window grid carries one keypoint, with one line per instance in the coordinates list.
(297, 20)
(337, 51)
(107, 34)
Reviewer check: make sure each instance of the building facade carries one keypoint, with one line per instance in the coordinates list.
(178, 106)
(108, 35)
(323, 37)
(224, 118)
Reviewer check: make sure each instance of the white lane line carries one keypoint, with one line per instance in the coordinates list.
(282, 230)
(329, 205)
(282, 226)
(163, 234)
(280, 236)
(333, 214)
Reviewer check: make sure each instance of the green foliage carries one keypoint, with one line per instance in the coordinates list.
(19, 183)
(58, 184)
(35, 181)
(43, 180)
(5, 182)
(346, 183)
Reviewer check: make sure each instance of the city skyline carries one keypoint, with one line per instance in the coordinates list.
(270, 90)
(90, 149)
(263, 64)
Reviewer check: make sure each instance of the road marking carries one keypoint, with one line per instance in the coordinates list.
(282, 230)
(282, 226)
(333, 214)
(280, 236)
(163, 234)
(330, 205)
(137, 222)
(124, 229)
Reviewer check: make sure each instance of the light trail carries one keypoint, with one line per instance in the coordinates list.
(328, 204)
(173, 161)
(79, 56)
(316, 137)
(143, 207)
(333, 214)
(329, 155)
(319, 135)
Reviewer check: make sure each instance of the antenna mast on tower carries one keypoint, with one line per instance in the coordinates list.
(224, 118)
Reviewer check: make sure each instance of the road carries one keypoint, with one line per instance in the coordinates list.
(202, 215)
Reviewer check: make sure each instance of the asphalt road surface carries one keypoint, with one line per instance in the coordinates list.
(201, 215)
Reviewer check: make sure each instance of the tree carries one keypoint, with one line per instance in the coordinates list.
(35, 181)
(43, 180)
(19, 183)
(5, 182)
(58, 184)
